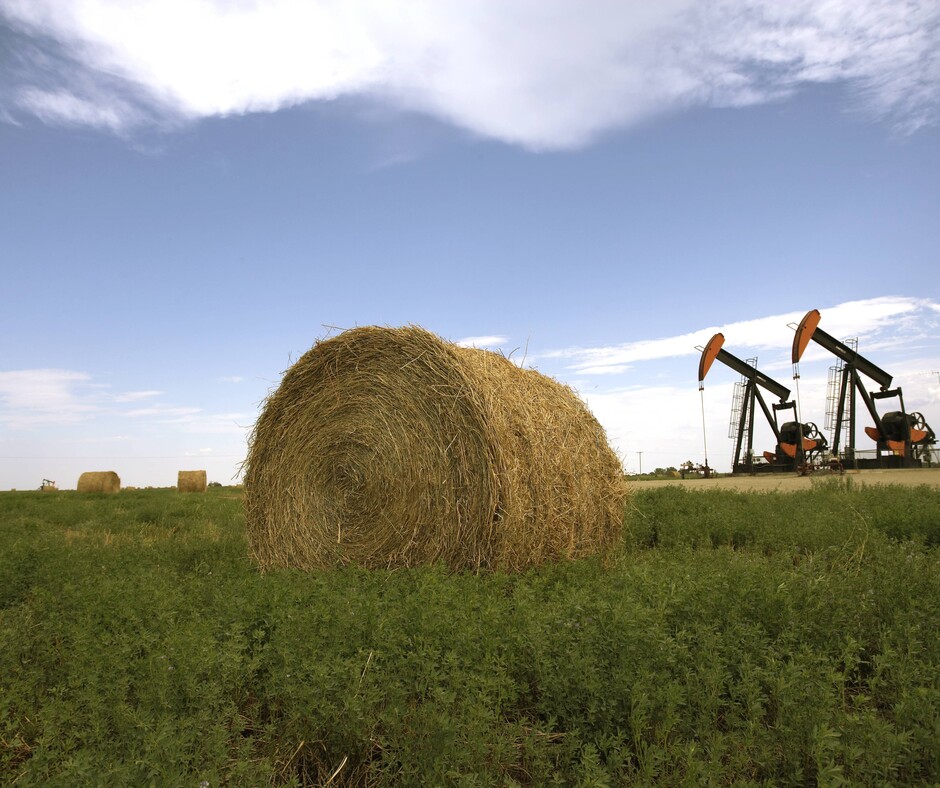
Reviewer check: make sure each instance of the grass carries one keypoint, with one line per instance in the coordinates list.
(773, 638)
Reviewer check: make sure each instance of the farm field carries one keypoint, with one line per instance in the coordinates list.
(791, 482)
(735, 637)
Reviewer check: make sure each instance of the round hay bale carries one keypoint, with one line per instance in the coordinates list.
(191, 481)
(99, 482)
(389, 447)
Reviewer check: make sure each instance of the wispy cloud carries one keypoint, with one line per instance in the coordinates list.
(581, 68)
(168, 414)
(867, 318)
(193, 420)
(60, 107)
(603, 369)
(220, 424)
(205, 452)
(34, 397)
(137, 396)
(6, 117)
(231, 379)
(487, 341)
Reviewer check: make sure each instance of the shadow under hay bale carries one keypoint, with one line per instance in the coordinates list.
(191, 481)
(99, 482)
(392, 448)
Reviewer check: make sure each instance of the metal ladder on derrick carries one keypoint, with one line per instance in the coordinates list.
(833, 387)
(737, 404)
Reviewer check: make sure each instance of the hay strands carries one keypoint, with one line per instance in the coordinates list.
(390, 447)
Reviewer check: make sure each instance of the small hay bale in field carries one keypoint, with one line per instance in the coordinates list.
(99, 482)
(191, 481)
(389, 447)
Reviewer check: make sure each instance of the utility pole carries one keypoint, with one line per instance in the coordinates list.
(640, 454)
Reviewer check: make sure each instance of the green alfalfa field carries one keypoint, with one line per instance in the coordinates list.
(735, 638)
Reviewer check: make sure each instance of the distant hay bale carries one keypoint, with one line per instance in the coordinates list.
(191, 481)
(392, 448)
(99, 482)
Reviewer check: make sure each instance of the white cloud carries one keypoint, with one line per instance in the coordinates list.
(40, 388)
(136, 396)
(57, 423)
(865, 318)
(664, 422)
(64, 108)
(231, 379)
(33, 397)
(546, 74)
(6, 117)
(221, 424)
(193, 420)
(604, 369)
(166, 413)
(206, 452)
(488, 341)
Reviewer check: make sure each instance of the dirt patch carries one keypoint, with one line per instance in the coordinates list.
(787, 482)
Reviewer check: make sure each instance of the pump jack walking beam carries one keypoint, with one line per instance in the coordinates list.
(809, 329)
(713, 350)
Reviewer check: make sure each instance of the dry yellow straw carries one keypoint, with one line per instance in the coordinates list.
(99, 482)
(391, 447)
(191, 481)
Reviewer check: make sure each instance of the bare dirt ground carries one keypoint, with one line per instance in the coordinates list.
(785, 482)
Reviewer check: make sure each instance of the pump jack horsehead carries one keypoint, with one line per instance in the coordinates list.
(797, 443)
(896, 434)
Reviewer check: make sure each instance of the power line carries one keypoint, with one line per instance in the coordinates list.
(118, 457)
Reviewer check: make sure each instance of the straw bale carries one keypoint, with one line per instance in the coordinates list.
(99, 482)
(191, 481)
(389, 447)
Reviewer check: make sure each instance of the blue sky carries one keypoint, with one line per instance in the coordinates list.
(189, 201)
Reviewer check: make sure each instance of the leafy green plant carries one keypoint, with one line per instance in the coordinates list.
(771, 638)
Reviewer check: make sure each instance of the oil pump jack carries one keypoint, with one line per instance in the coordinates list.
(797, 443)
(896, 434)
